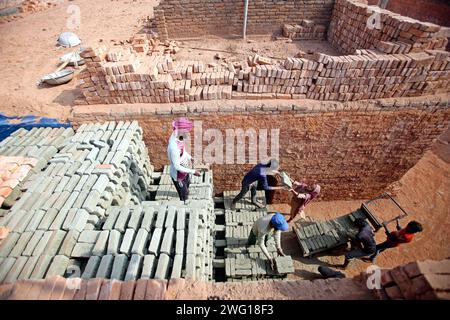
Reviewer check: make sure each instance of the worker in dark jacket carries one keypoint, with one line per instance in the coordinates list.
(364, 241)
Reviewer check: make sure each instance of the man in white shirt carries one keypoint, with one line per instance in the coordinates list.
(180, 159)
(263, 227)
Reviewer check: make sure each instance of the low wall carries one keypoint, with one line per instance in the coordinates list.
(354, 150)
(195, 18)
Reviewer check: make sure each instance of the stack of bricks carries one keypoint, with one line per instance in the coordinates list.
(355, 25)
(305, 30)
(250, 264)
(238, 225)
(187, 19)
(101, 165)
(147, 241)
(421, 280)
(157, 79)
(13, 170)
(35, 5)
(315, 237)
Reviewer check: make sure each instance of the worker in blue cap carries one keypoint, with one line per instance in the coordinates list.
(263, 228)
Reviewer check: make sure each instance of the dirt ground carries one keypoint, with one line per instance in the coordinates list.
(28, 50)
(424, 192)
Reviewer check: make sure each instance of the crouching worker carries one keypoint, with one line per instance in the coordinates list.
(364, 242)
(256, 179)
(396, 238)
(263, 228)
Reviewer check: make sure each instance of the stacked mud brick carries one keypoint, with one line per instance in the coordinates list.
(101, 165)
(148, 241)
(355, 25)
(315, 237)
(36, 5)
(249, 263)
(239, 225)
(421, 280)
(305, 30)
(125, 77)
(187, 19)
(13, 171)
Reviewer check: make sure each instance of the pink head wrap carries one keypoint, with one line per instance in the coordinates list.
(182, 124)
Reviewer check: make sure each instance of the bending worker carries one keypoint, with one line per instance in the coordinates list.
(180, 159)
(302, 195)
(256, 179)
(263, 228)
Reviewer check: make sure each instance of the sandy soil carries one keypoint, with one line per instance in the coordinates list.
(424, 192)
(28, 51)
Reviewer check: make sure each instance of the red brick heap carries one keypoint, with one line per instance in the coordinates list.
(306, 29)
(422, 280)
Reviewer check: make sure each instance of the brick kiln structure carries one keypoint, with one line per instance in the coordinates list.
(382, 103)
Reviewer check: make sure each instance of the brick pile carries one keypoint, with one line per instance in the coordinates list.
(13, 170)
(315, 237)
(101, 165)
(352, 28)
(35, 5)
(250, 264)
(305, 30)
(420, 280)
(193, 18)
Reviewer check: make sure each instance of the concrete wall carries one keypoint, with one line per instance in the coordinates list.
(195, 18)
(354, 150)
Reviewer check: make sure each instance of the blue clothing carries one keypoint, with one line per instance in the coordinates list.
(367, 238)
(258, 173)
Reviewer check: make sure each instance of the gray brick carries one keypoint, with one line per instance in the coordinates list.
(91, 201)
(101, 183)
(74, 180)
(5, 267)
(119, 267)
(179, 247)
(167, 243)
(91, 268)
(113, 242)
(134, 267)
(190, 266)
(60, 187)
(40, 247)
(113, 214)
(149, 214)
(68, 243)
(7, 245)
(155, 241)
(80, 220)
(105, 267)
(32, 243)
(149, 266)
(69, 219)
(135, 218)
(48, 219)
(181, 219)
(35, 220)
(127, 242)
(58, 266)
(170, 219)
(55, 242)
(101, 244)
(41, 267)
(177, 266)
(122, 219)
(160, 218)
(71, 200)
(89, 236)
(23, 222)
(81, 183)
(21, 244)
(15, 270)
(28, 268)
(82, 250)
(139, 242)
(59, 220)
(162, 269)
(59, 204)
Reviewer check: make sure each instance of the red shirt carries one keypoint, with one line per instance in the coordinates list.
(400, 237)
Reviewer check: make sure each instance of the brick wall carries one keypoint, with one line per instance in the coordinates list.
(354, 150)
(195, 18)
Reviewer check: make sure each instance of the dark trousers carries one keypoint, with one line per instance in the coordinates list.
(244, 189)
(182, 187)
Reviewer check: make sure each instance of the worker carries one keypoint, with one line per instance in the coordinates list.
(264, 227)
(256, 179)
(180, 159)
(364, 242)
(302, 195)
(396, 238)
